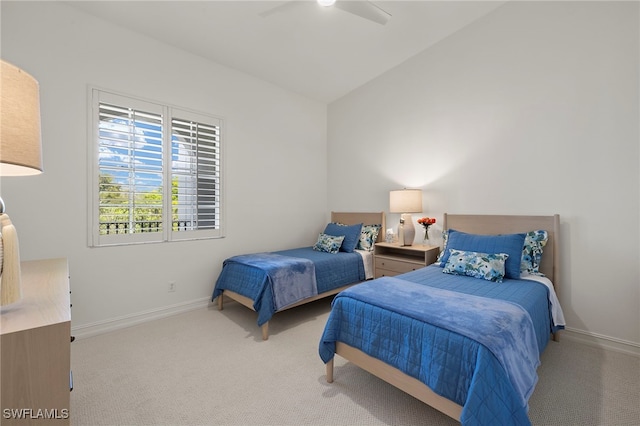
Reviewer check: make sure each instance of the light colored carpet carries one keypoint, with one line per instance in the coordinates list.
(207, 367)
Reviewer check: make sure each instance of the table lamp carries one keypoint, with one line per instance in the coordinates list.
(20, 155)
(406, 201)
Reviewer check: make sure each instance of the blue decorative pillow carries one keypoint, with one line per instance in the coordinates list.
(351, 234)
(532, 252)
(445, 236)
(368, 237)
(488, 266)
(510, 244)
(328, 243)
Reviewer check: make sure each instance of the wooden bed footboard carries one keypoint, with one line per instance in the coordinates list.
(243, 300)
(395, 377)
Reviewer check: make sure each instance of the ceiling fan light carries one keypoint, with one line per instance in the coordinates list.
(326, 3)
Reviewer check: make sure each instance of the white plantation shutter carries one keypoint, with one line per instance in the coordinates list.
(155, 177)
(195, 174)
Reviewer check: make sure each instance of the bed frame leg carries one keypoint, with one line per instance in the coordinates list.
(330, 371)
(220, 307)
(265, 331)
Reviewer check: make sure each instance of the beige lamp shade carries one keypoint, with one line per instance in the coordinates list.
(405, 201)
(20, 141)
(20, 155)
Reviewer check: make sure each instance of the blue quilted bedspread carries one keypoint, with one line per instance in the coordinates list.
(451, 363)
(331, 271)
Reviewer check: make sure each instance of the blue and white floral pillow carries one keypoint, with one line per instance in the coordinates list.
(328, 243)
(534, 242)
(445, 236)
(368, 237)
(487, 266)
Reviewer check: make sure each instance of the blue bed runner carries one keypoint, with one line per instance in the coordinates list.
(291, 278)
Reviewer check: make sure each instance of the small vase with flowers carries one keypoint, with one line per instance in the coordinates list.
(426, 222)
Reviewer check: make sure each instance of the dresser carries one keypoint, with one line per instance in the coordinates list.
(35, 347)
(391, 259)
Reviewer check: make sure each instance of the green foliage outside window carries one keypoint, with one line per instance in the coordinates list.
(120, 211)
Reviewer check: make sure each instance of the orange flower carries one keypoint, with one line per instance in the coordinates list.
(427, 221)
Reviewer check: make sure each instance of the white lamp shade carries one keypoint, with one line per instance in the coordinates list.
(405, 201)
(20, 140)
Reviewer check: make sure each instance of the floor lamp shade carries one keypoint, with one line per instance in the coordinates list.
(20, 155)
(406, 201)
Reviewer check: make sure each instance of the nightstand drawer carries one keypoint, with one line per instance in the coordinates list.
(397, 266)
(385, 273)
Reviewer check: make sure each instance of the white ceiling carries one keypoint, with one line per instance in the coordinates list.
(322, 53)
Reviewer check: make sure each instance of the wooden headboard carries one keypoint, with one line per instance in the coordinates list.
(504, 224)
(366, 218)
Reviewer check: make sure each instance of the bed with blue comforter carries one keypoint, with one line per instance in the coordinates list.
(467, 346)
(271, 282)
(258, 280)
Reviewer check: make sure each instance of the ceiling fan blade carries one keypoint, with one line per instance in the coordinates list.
(280, 8)
(364, 9)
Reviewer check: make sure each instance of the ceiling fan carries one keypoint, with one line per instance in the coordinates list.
(362, 8)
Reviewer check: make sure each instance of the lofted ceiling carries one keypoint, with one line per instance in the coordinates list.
(319, 52)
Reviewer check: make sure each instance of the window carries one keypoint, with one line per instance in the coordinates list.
(156, 172)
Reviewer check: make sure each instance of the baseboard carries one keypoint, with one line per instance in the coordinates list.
(106, 326)
(601, 341)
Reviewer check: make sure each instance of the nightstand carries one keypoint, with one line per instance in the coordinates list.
(392, 259)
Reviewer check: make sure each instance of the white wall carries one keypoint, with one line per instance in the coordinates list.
(275, 149)
(530, 110)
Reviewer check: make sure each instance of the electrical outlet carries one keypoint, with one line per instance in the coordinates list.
(172, 286)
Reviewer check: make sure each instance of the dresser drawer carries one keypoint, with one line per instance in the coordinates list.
(397, 266)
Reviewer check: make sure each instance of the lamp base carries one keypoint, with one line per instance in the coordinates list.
(408, 230)
(10, 278)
